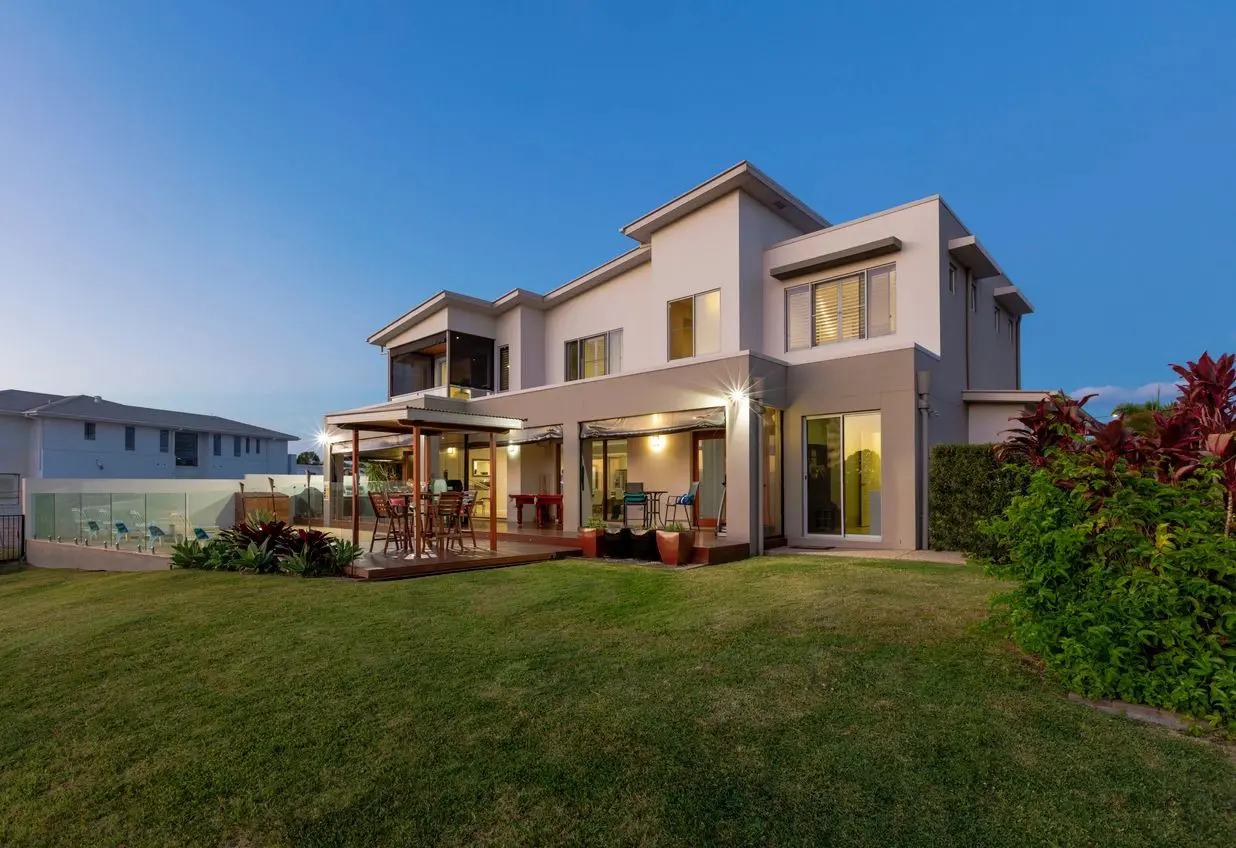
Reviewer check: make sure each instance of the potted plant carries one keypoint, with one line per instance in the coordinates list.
(618, 543)
(644, 545)
(675, 544)
(591, 536)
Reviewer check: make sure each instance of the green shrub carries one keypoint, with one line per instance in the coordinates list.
(1127, 584)
(188, 554)
(969, 485)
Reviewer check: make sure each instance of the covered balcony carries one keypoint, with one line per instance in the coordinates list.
(446, 364)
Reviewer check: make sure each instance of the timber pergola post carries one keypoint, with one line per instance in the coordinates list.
(356, 487)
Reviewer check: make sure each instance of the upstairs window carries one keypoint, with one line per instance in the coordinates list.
(186, 450)
(1010, 331)
(858, 306)
(952, 279)
(164, 436)
(504, 368)
(218, 444)
(594, 356)
(247, 444)
(695, 325)
(973, 293)
(257, 445)
(130, 438)
(997, 319)
(235, 445)
(89, 431)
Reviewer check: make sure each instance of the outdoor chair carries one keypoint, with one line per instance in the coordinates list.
(155, 534)
(634, 496)
(200, 534)
(383, 512)
(122, 532)
(687, 502)
(465, 515)
(448, 511)
(92, 531)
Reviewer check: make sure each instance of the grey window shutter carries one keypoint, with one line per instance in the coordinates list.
(798, 318)
(882, 301)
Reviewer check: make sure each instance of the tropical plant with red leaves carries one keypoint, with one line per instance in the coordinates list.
(1056, 422)
(1206, 421)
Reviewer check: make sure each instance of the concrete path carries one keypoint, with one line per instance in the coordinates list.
(945, 557)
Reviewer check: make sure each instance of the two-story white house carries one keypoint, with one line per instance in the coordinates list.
(797, 370)
(45, 436)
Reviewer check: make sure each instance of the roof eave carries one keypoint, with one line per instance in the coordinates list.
(743, 176)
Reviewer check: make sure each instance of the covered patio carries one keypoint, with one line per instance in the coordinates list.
(422, 418)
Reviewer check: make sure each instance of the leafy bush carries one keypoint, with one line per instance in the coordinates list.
(188, 554)
(969, 485)
(1127, 584)
(1123, 547)
(257, 559)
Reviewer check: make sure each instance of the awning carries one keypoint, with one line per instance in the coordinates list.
(526, 436)
(658, 422)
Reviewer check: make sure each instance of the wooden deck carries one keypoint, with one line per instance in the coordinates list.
(395, 566)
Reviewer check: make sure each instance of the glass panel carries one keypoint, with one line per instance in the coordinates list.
(595, 363)
(823, 437)
(165, 517)
(472, 361)
(615, 477)
(44, 516)
(710, 463)
(572, 360)
(882, 301)
(211, 510)
(68, 522)
(708, 323)
(681, 344)
(440, 373)
(825, 313)
(594, 484)
(853, 321)
(862, 474)
(798, 318)
(128, 517)
(451, 459)
(772, 471)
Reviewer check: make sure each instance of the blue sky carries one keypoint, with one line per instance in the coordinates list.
(209, 206)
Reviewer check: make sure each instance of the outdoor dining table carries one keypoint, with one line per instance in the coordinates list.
(414, 531)
(651, 504)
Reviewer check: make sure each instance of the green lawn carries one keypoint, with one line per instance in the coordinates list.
(788, 701)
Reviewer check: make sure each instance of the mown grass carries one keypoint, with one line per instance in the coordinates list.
(789, 701)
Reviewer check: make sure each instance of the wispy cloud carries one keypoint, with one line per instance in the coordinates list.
(1111, 395)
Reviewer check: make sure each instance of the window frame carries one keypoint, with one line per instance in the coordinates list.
(130, 438)
(197, 446)
(248, 446)
(90, 431)
(579, 360)
(669, 329)
(165, 439)
(216, 444)
(864, 278)
(952, 278)
(236, 446)
(257, 446)
(973, 290)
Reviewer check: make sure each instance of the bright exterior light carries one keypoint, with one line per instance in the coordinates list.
(657, 443)
(450, 451)
(512, 450)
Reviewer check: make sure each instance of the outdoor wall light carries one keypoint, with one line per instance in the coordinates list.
(657, 443)
(450, 451)
(512, 450)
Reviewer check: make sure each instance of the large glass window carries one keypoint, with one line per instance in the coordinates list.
(858, 306)
(695, 325)
(606, 464)
(471, 361)
(130, 438)
(594, 356)
(772, 471)
(843, 475)
(186, 450)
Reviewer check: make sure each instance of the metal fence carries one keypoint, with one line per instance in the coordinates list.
(12, 537)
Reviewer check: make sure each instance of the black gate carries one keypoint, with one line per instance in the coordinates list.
(12, 537)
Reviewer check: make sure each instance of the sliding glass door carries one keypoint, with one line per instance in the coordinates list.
(841, 488)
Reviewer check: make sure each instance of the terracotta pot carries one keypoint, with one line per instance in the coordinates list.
(590, 541)
(675, 547)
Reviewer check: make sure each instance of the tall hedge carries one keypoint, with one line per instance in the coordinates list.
(968, 485)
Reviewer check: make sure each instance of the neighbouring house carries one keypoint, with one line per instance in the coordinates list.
(44, 436)
(798, 371)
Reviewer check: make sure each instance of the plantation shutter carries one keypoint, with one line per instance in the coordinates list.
(572, 360)
(504, 368)
(882, 301)
(798, 318)
(826, 317)
(853, 321)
